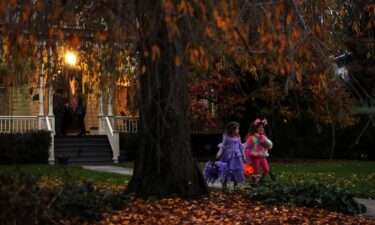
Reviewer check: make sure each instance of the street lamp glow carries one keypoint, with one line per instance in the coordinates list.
(70, 58)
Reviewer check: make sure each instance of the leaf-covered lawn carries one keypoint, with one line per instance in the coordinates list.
(56, 175)
(222, 208)
(355, 176)
(218, 208)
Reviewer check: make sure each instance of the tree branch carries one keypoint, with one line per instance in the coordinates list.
(246, 44)
(360, 134)
(295, 6)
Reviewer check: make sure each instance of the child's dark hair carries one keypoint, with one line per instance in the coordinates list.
(231, 127)
(253, 128)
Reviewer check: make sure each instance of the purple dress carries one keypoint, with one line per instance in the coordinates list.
(231, 153)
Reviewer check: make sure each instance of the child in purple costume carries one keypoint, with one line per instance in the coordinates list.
(232, 154)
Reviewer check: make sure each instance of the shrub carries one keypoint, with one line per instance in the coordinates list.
(128, 145)
(82, 202)
(23, 202)
(204, 146)
(310, 194)
(19, 203)
(29, 147)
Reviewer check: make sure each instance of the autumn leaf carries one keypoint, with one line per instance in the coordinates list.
(32, 39)
(101, 36)
(74, 41)
(12, 3)
(51, 32)
(39, 4)
(219, 208)
(155, 52)
(177, 61)
(143, 69)
(25, 13)
(60, 35)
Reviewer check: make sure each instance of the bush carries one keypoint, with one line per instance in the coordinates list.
(29, 147)
(19, 203)
(23, 202)
(204, 146)
(310, 194)
(82, 202)
(128, 145)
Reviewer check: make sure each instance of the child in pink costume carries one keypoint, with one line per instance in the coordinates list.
(257, 146)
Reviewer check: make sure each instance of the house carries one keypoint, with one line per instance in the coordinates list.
(38, 102)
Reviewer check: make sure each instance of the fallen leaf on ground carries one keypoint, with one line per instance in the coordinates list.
(222, 208)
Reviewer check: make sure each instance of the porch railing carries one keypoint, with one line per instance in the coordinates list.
(106, 127)
(49, 125)
(127, 124)
(18, 124)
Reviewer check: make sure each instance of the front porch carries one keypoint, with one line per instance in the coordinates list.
(109, 127)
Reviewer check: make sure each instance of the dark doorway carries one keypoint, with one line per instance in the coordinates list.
(67, 85)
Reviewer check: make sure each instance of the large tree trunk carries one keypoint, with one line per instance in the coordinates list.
(164, 165)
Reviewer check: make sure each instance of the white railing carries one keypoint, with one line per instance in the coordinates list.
(127, 124)
(113, 136)
(49, 120)
(48, 124)
(18, 124)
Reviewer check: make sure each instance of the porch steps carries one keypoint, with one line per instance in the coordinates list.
(83, 150)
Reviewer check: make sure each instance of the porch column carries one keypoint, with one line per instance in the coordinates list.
(101, 112)
(101, 115)
(110, 105)
(51, 150)
(41, 90)
(111, 117)
(50, 101)
(50, 80)
(41, 81)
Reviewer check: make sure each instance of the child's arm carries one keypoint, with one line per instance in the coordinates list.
(242, 147)
(221, 147)
(249, 144)
(266, 142)
(219, 152)
(250, 141)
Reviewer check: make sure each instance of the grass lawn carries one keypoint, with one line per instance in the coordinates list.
(71, 173)
(126, 164)
(355, 176)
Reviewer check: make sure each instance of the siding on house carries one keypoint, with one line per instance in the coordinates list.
(16, 101)
(92, 112)
(4, 101)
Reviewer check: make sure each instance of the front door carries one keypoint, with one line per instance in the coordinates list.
(67, 86)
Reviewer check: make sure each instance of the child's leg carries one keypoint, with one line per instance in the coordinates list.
(265, 168)
(235, 186)
(255, 161)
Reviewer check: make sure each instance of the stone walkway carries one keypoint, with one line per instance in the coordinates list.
(370, 204)
(111, 169)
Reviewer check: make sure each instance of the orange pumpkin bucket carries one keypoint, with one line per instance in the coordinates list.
(248, 170)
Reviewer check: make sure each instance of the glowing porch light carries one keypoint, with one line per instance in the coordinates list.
(71, 58)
